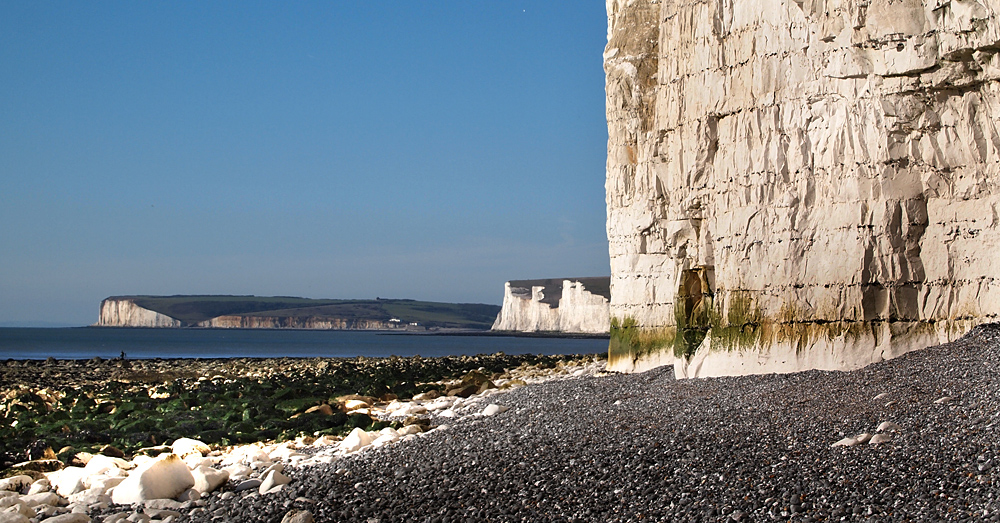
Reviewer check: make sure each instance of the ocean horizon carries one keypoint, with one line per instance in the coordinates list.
(79, 343)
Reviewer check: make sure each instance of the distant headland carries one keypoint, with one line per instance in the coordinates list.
(283, 312)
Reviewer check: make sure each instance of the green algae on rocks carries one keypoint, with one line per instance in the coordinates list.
(68, 406)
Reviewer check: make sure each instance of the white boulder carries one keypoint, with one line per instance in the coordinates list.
(43, 498)
(186, 446)
(493, 409)
(13, 517)
(356, 440)
(16, 483)
(72, 517)
(207, 479)
(68, 481)
(162, 478)
(273, 479)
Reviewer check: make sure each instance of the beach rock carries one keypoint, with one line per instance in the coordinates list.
(888, 426)
(40, 485)
(879, 439)
(385, 436)
(44, 498)
(69, 480)
(19, 483)
(845, 442)
(39, 465)
(472, 383)
(101, 464)
(248, 484)
(493, 409)
(429, 395)
(163, 478)
(237, 472)
(16, 506)
(183, 447)
(355, 441)
(13, 517)
(117, 517)
(273, 479)
(297, 516)
(410, 429)
(73, 517)
(162, 504)
(80, 459)
(323, 409)
(112, 451)
(191, 494)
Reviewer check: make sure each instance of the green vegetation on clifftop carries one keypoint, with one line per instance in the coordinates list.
(192, 310)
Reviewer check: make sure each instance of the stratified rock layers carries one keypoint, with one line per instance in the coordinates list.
(125, 313)
(796, 185)
(570, 305)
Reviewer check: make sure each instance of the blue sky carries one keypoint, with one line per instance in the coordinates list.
(427, 150)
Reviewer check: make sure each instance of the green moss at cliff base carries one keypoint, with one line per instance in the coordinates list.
(629, 342)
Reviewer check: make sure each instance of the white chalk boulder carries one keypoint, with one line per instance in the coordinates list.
(493, 409)
(72, 517)
(207, 479)
(273, 479)
(356, 440)
(186, 446)
(16, 483)
(13, 517)
(162, 478)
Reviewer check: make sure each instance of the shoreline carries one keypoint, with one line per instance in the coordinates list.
(401, 332)
(909, 439)
(84, 404)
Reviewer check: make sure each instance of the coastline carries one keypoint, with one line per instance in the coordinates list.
(912, 438)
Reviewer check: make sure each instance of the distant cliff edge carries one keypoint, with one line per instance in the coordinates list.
(255, 312)
(572, 305)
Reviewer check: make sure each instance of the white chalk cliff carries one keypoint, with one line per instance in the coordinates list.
(574, 305)
(125, 313)
(800, 184)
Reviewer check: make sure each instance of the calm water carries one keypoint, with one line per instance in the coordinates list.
(85, 343)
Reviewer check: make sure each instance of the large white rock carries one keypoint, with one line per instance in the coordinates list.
(162, 478)
(101, 464)
(184, 447)
(16, 483)
(207, 479)
(68, 481)
(273, 479)
(14, 505)
(355, 441)
(13, 517)
(43, 498)
(808, 184)
(73, 517)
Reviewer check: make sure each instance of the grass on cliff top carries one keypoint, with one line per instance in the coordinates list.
(194, 309)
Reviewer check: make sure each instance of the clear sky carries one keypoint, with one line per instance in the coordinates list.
(409, 149)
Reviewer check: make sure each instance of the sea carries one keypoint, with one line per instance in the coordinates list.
(88, 342)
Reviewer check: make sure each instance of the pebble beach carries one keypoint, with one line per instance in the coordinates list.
(909, 439)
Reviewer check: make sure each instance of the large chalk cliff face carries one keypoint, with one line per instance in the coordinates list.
(800, 184)
(577, 305)
(125, 313)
